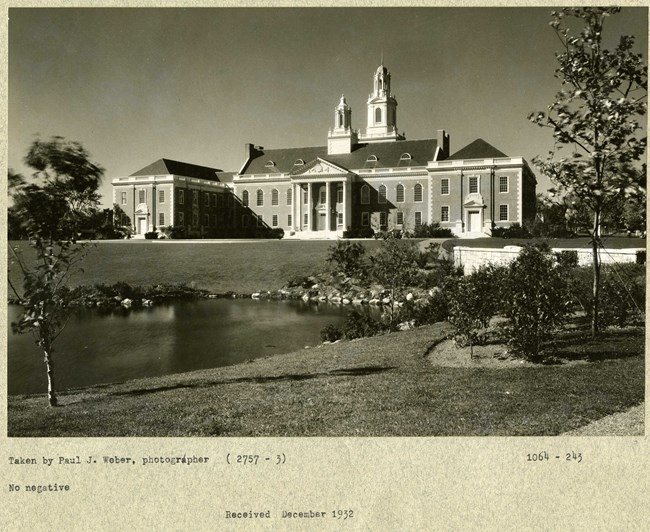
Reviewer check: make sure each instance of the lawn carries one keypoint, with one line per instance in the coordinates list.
(382, 386)
(242, 267)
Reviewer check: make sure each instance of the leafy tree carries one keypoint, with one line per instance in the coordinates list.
(536, 299)
(347, 257)
(472, 301)
(596, 118)
(394, 266)
(51, 209)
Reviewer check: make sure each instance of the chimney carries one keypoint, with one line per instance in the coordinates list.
(443, 144)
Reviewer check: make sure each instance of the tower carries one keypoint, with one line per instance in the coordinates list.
(382, 110)
(341, 138)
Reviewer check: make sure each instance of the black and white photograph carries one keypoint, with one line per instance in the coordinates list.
(316, 223)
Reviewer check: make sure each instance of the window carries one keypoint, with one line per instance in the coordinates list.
(181, 218)
(274, 220)
(444, 213)
(339, 219)
(260, 198)
(418, 218)
(305, 219)
(400, 218)
(269, 164)
(417, 192)
(371, 159)
(123, 198)
(378, 115)
(206, 220)
(365, 195)
(161, 218)
(289, 198)
(274, 197)
(383, 219)
(244, 198)
(260, 220)
(473, 184)
(299, 162)
(244, 220)
(322, 196)
(207, 199)
(214, 200)
(220, 200)
(503, 183)
(444, 186)
(195, 220)
(400, 194)
(365, 219)
(305, 196)
(339, 195)
(503, 213)
(161, 196)
(181, 197)
(195, 199)
(141, 196)
(214, 220)
(382, 194)
(289, 220)
(405, 157)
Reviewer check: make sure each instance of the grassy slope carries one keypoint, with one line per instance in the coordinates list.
(378, 386)
(217, 266)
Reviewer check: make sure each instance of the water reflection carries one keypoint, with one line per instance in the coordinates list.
(99, 348)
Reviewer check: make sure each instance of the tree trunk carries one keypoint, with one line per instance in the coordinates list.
(595, 239)
(49, 366)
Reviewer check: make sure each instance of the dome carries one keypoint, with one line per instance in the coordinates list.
(381, 69)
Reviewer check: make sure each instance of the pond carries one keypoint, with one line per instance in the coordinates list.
(101, 348)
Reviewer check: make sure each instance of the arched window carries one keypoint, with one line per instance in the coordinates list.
(378, 115)
(400, 194)
(289, 198)
(244, 198)
(371, 158)
(299, 162)
(340, 120)
(260, 198)
(382, 194)
(405, 157)
(269, 164)
(365, 195)
(417, 192)
(274, 196)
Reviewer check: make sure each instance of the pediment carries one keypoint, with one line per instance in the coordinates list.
(318, 167)
(142, 209)
(474, 200)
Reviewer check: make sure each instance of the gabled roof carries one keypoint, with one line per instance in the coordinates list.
(479, 149)
(388, 156)
(168, 166)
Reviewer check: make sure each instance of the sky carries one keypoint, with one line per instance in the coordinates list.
(135, 85)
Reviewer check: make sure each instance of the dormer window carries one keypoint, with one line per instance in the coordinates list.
(371, 158)
(269, 164)
(405, 157)
(299, 162)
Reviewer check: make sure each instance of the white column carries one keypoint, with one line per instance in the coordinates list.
(294, 201)
(345, 205)
(309, 208)
(328, 208)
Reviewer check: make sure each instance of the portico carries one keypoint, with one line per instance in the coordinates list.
(323, 203)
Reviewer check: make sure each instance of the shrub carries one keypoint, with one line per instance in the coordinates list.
(472, 301)
(346, 257)
(391, 233)
(536, 300)
(276, 232)
(330, 333)
(432, 309)
(567, 258)
(432, 230)
(151, 235)
(514, 231)
(640, 257)
(359, 232)
(175, 231)
(360, 325)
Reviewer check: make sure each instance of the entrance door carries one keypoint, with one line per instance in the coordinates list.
(473, 221)
(143, 226)
(321, 221)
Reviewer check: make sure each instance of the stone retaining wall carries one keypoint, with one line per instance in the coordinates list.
(471, 258)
